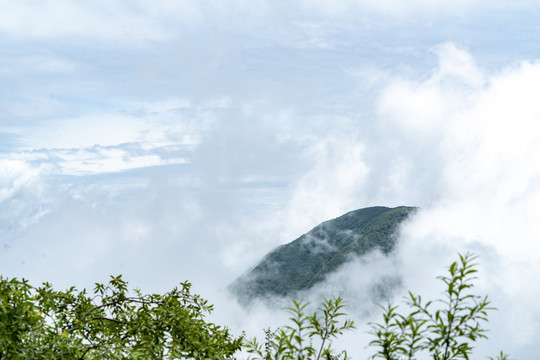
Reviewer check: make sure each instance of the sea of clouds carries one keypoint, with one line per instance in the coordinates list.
(174, 142)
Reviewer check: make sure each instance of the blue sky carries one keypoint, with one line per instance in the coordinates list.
(172, 140)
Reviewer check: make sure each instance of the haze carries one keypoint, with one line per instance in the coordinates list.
(183, 140)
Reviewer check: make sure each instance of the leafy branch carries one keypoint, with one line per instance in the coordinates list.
(295, 341)
(447, 331)
(112, 323)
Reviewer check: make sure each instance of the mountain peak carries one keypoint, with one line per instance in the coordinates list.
(306, 261)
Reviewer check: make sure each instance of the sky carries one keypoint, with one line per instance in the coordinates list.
(173, 140)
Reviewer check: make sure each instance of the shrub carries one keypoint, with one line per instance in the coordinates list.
(309, 337)
(445, 328)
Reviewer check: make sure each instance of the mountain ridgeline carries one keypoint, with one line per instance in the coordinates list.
(306, 261)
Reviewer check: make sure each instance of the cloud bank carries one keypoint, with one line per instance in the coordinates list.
(177, 140)
(458, 141)
(478, 132)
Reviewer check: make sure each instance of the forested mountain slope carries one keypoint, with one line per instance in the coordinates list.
(306, 261)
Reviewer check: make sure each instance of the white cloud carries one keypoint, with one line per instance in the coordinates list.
(333, 185)
(410, 8)
(470, 161)
(133, 22)
(458, 140)
(33, 64)
(487, 135)
(83, 131)
(106, 160)
(120, 22)
(23, 196)
(425, 106)
(64, 18)
(16, 176)
(161, 122)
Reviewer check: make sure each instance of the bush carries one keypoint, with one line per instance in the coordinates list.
(297, 340)
(112, 323)
(445, 328)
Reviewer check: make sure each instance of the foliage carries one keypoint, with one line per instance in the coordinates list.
(111, 323)
(500, 356)
(296, 341)
(447, 331)
(114, 323)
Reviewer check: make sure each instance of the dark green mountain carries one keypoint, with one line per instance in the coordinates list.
(306, 261)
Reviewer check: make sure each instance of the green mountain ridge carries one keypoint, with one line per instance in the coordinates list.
(306, 261)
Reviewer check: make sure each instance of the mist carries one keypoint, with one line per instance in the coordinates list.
(182, 141)
(468, 136)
